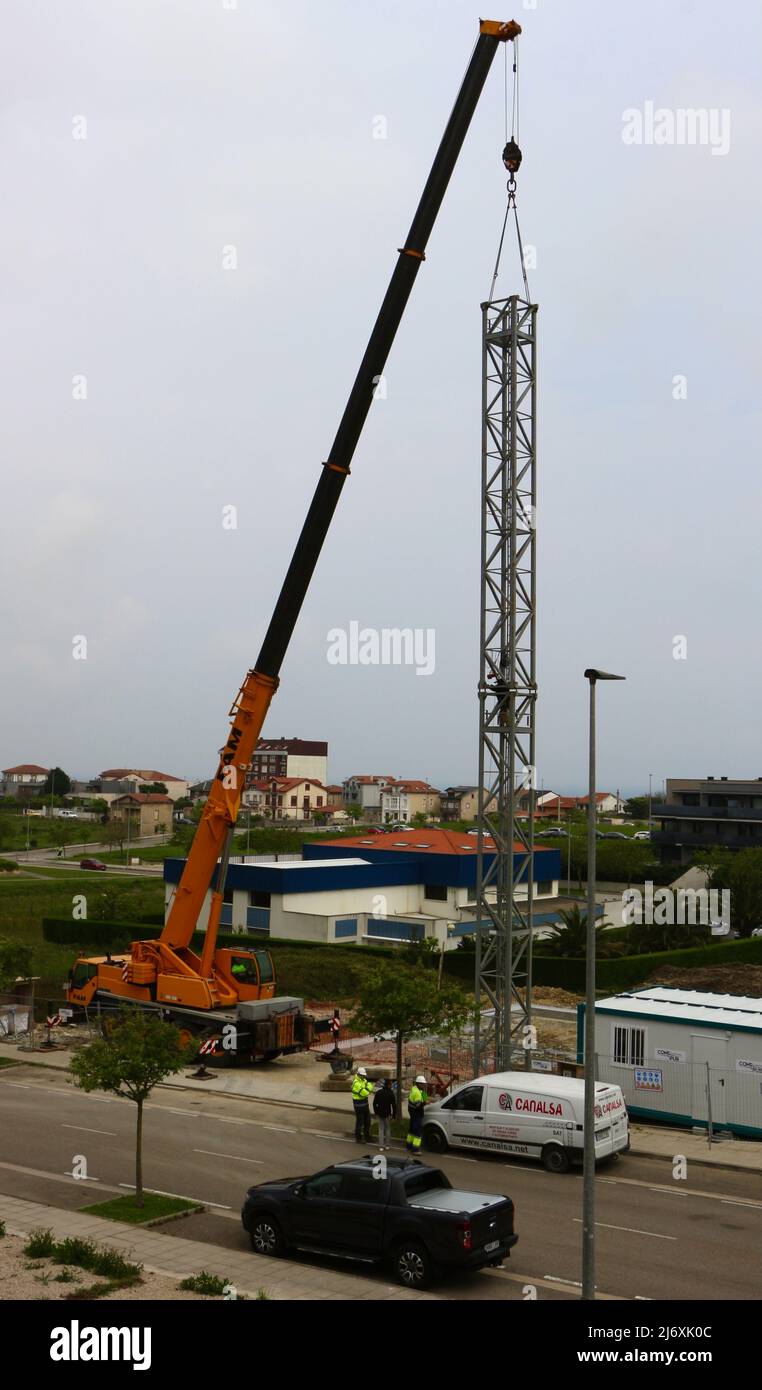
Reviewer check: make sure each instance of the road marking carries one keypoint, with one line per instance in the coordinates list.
(737, 1202)
(213, 1154)
(78, 1178)
(85, 1130)
(283, 1129)
(549, 1280)
(633, 1230)
(675, 1191)
(182, 1195)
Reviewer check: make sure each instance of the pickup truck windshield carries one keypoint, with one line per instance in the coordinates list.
(417, 1183)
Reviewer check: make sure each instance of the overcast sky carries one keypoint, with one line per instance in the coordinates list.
(208, 126)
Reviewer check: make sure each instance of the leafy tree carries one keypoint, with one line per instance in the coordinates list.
(15, 959)
(7, 831)
(743, 874)
(57, 782)
(158, 787)
(140, 1051)
(408, 1003)
(419, 819)
(354, 811)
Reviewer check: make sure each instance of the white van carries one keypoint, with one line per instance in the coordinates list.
(527, 1113)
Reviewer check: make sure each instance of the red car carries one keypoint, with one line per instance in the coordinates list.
(91, 864)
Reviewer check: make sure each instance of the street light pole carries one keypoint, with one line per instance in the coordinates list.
(650, 775)
(588, 1167)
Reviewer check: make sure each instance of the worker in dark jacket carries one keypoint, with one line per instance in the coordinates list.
(416, 1103)
(362, 1089)
(385, 1110)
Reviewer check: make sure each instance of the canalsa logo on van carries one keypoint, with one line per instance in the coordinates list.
(530, 1105)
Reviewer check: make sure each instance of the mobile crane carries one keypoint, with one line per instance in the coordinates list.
(223, 995)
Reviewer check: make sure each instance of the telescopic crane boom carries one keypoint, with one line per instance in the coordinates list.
(170, 955)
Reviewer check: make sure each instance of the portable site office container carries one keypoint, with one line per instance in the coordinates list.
(682, 1056)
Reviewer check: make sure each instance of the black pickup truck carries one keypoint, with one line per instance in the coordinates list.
(382, 1210)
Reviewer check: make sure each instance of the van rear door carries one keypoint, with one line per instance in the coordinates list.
(610, 1120)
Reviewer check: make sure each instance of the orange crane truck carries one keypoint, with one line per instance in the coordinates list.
(228, 996)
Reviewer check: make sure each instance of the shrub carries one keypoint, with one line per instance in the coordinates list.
(39, 1244)
(204, 1283)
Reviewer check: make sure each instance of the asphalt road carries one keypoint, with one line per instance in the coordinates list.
(657, 1238)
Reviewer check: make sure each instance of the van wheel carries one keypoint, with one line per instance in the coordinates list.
(412, 1265)
(555, 1159)
(434, 1140)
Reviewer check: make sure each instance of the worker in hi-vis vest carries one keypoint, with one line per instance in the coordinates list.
(362, 1090)
(416, 1101)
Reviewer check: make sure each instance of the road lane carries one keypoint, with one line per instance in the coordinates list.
(654, 1239)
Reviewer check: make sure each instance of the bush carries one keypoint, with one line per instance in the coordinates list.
(628, 972)
(8, 866)
(205, 1283)
(40, 1244)
(100, 1259)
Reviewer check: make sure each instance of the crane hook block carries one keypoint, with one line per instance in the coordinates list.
(512, 157)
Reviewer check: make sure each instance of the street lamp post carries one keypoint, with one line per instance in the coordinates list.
(650, 775)
(588, 1168)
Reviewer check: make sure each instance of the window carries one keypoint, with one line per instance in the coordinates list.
(469, 1099)
(265, 964)
(324, 1185)
(346, 926)
(258, 899)
(320, 801)
(293, 800)
(437, 892)
(629, 1046)
(81, 974)
(544, 888)
(227, 896)
(363, 1187)
(244, 970)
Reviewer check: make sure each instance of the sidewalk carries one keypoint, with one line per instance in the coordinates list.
(177, 1258)
(296, 1080)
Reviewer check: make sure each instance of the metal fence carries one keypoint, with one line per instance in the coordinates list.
(691, 1093)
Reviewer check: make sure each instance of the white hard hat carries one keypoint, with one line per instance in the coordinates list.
(420, 1081)
(361, 1071)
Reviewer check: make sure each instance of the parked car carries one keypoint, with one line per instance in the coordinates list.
(757, 931)
(642, 835)
(409, 1217)
(723, 931)
(91, 864)
(375, 830)
(554, 833)
(615, 835)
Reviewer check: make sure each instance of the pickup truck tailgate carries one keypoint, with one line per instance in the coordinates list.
(490, 1218)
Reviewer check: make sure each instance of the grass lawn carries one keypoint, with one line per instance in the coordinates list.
(154, 1206)
(8, 1061)
(25, 901)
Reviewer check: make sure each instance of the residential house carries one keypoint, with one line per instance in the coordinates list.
(365, 792)
(132, 778)
(286, 798)
(289, 757)
(28, 779)
(147, 813)
(404, 799)
(462, 803)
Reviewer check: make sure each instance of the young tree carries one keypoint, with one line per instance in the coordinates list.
(406, 1002)
(354, 811)
(571, 939)
(140, 1051)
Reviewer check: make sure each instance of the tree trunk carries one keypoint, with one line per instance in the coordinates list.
(399, 1076)
(139, 1157)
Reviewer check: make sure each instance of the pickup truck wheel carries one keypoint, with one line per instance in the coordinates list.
(412, 1265)
(266, 1236)
(555, 1159)
(434, 1140)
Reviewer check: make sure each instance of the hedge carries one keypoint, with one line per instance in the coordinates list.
(118, 935)
(628, 972)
